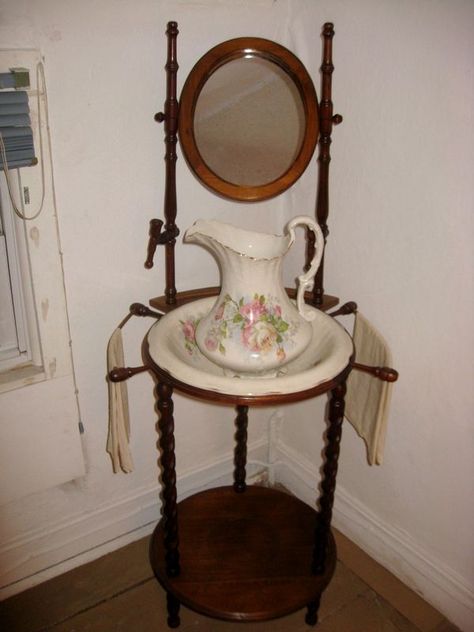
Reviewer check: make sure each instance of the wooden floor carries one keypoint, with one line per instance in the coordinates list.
(118, 593)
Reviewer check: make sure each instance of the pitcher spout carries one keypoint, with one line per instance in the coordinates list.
(215, 235)
(204, 233)
(199, 233)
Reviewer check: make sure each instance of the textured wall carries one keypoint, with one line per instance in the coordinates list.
(401, 226)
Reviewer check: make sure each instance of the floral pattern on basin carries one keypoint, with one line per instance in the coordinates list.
(327, 354)
(254, 323)
(188, 327)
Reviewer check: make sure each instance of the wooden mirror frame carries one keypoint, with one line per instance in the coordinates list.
(215, 58)
(166, 232)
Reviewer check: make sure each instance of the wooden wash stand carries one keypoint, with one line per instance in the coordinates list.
(240, 552)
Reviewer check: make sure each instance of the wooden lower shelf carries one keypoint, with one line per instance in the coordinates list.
(244, 556)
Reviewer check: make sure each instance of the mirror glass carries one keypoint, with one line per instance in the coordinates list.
(249, 121)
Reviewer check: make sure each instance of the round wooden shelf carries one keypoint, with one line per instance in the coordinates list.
(244, 556)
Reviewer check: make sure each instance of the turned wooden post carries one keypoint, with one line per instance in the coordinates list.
(240, 452)
(312, 612)
(167, 465)
(173, 605)
(328, 486)
(328, 482)
(326, 121)
(170, 119)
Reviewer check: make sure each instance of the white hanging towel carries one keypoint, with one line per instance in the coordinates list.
(119, 418)
(368, 398)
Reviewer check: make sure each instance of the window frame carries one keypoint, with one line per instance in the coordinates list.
(39, 249)
(21, 297)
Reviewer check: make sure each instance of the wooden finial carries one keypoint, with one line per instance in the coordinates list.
(138, 309)
(328, 29)
(120, 374)
(348, 308)
(384, 373)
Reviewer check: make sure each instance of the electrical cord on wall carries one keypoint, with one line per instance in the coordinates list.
(18, 211)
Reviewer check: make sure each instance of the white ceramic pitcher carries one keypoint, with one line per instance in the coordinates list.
(254, 329)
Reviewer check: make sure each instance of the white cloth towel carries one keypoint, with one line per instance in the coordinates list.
(119, 418)
(368, 398)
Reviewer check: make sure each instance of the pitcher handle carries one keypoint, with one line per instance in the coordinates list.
(306, 281)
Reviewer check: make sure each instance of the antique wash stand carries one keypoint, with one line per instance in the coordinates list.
(241, 552)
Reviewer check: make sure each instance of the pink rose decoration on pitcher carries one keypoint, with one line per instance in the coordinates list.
(257, 322)
(260, 337)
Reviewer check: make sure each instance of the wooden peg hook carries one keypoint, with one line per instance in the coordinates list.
(384, 373)
(348, 308)
(120, 374)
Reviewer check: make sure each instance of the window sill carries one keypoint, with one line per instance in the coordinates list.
(20, 377)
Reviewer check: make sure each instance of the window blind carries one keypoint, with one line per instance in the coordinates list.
(15, 128)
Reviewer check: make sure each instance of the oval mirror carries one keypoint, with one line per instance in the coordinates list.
(248, 119)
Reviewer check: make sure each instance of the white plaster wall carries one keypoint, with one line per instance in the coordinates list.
(104, 70)
(401, 226)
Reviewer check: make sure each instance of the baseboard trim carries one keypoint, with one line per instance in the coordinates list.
(43, 554)
(396, 550)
